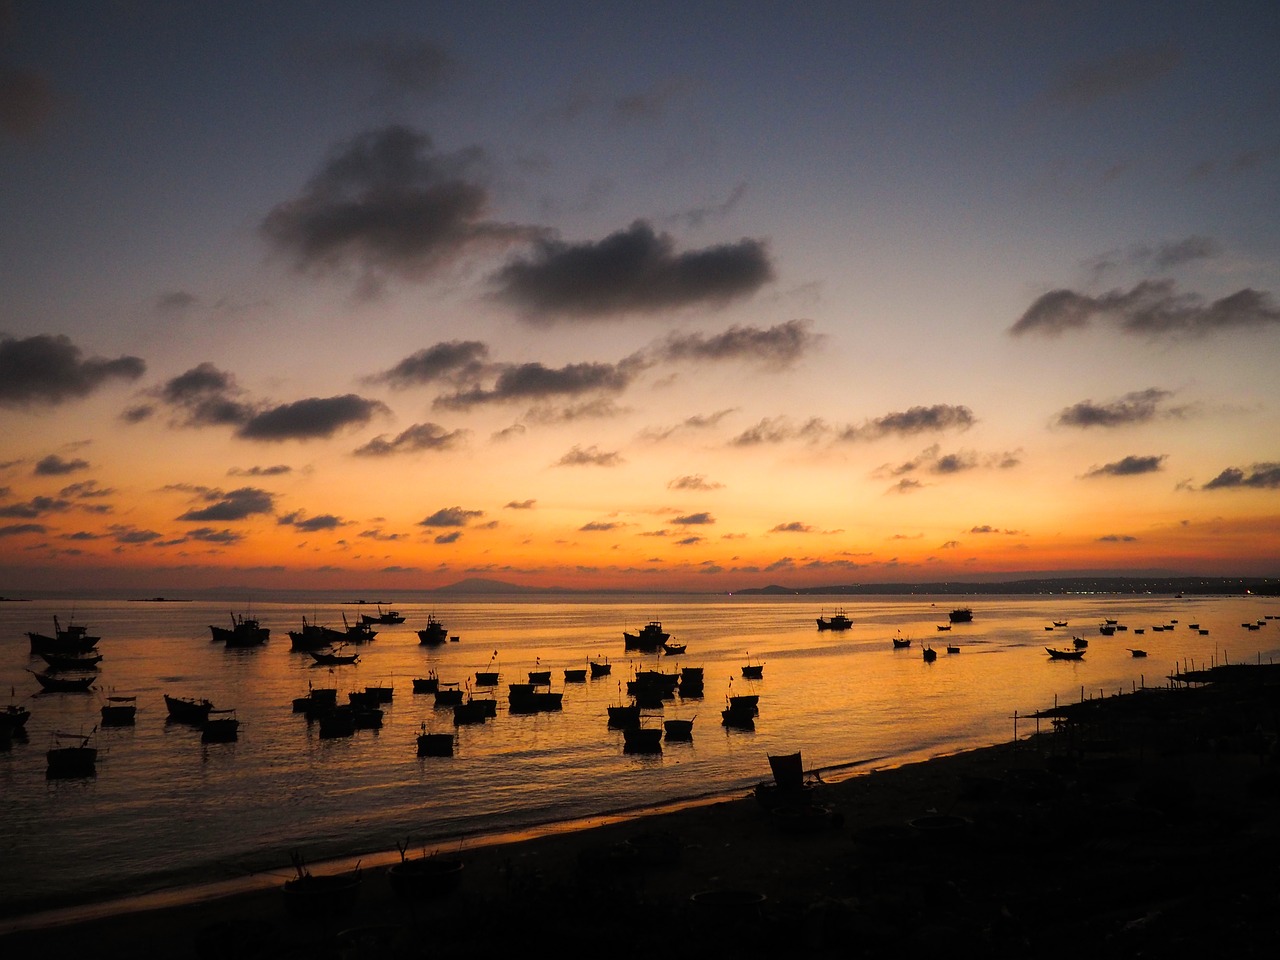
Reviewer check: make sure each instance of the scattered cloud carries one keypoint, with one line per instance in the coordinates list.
(276, 470)
(987, 528)
(299, 520)
(906, 485)
(55, 466)
(914, 420)
(420, 436)
(693, 482)
(1140, 406)
(385, 206)
(1261, 476)
(631, 271)
(780, 430)
(455, 362)
(312, 418)
(795, 526)
(1117, 538)
(694, 519)
(1116, 74)
(592, 456)
(235, 505)
(49, 370)
(600, 526)
(519, 504)
(693, 423)
(210, 535)
(950, 545)
(1153, 308)
(534, 381)
(775, 348)
(35, 507)
(451, 517)
(1128, 467)
(452, 537)
(21, 529)
(396, 66)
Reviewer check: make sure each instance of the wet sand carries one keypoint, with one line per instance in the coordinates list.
(1138, 825)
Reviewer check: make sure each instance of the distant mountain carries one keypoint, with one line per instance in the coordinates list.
(474, 585)
(1263, 586)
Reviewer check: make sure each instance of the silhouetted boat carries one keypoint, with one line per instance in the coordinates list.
(743, 718)
(1064, 654)
(74, 638)
(952, 648)
(427, 684)
(65, 682)
(383, 616)
(220, 726)
(575, 675)
(333, 657)
(1138, 653)
(119, 711)
(677, 729)
(901, 643)
(752, 671)
(929, 654)
(435, 744)
(72, 755)
(320, 896)
(640, 739)
(425, 877)
(961, 615)
(539, 677)
(649, 638)
(88, 660)
(433, 633)
(600, 668)
(188, 709)
(13, 717)
(361, 632)
(448, 694)
(313, 636)
(623, 716)
(243, 632)
(837, 621)
(1079, 642)
(489, 677)
(673, 648)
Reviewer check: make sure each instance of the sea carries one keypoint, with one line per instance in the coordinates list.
(165, 814)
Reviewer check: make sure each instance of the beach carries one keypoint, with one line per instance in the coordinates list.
(1126, 826)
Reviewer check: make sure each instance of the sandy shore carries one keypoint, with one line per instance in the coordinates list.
(1142, 825)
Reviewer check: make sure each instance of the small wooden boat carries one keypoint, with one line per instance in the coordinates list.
(837, 621)
(575, 675)
(74, 638)
(425, 877)
(1079, 642)
(313, 896)
(599, 668)
(88, 660)
(740, 719)
(433, 633)
(640, 739)
(1109, 629)
(691, 681)
(944, 627)
(427, 684)
(243, 632)
(337, 721)
(952, 648)
(448, 693)
(14, 717)
(383, 616)
(1059, 623)
(745, 701)
(119, 711)
(220, 726)
(435, 744)
(381, 693)
(1055, 654)
(188, 709)
(624, 716)
(929, 654)
(314, 636)
(489, 677)
(333, 657)
(539, 677)
(671, 648)
(361, 632)
(677, 729)
(752, 671)
(961, 615)
(470, 711)
(72, 755)
(64, 682)
(1137, 653)
(901, 643)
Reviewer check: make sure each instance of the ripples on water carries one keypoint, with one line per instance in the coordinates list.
(166, 809)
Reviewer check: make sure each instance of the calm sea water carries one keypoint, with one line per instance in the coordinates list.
(165, 810)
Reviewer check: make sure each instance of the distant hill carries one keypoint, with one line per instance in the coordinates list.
(475, 585)
(1200, 586)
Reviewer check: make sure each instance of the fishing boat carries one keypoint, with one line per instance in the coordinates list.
(433, 633)
(243, 632)
(427, 684)
(961, 615)
(623, 716)
(313, 896)
(425, 877)
(1109, 629)
(220, 726)
(88, 660)
(489, 677)
(470, 711)
(752, 671)
(539, 677)
(435, 744)
(1137, 653)
(1055, 654)
(671, 648)
(316, 700)
(575, 674)
(946, 626)
(337, 721)
(678, 729)
(1059, 623)
(361, 632)
(383, 616)
(640, 739)
(599, 668)
(837, 621)
(448, 693)
(333, 657)
(1079, 642)
(691, 682)
(74, 638)
(65, 682)
(314, 636)
(119, 711)
(13, 717)
(952, 648)
(739, 717)
(188, 709)
(72, 755)
(929, 654)
(648, 639)
(901, 643)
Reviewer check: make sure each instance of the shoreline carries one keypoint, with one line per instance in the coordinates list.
(1140, 822)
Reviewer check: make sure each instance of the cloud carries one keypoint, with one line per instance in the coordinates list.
(631, 271)
(49, 370)
(950, 545)
(175, 302)
(1153, 308)
(906, 485)
(452, 537)
(54, 466)
(19, 529)
(377, 534)
(27, 101)
(533, 381)
(235, 505)
(600, 526)
(420, 436)
(987, 528)
(694, 519)
(33, 508)
(397, 65)
(695, 422)
(779, 430)
(457, 361)
(795, 526)
(1261, 476)
(312, 418)
(450, 517)
(592, 456)
(519, 504)
(326, 521)
(689, 541)
(85, 490)
(1140, 406)
(1177, 252)
(210, 535)
(1085, 84)
(276, 470)
(384, 205)
(1117, 538)
(204, 396)
(777, 347)
(1128, 467)
(693, 482)
(912, 421)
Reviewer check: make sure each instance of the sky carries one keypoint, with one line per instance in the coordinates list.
(689, 296)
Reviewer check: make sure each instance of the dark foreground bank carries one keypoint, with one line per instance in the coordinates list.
(1141, 825)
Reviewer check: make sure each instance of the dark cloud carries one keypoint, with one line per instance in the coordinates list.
(384, 205)
(696, 422)
(599, 526)
(203, 396)
(1177, 252)
(694, 519)
(235, 505)
(33, 508)
(591, 456)
(1112, 75)
(87, 489)
(1261, 476)
(632, 271)
(795, 526)
(452, 537)
(1141, 406)
(131, 535)
(519, 504)
(693, 482)
(906, 485)
(420, 436)
(599, 408)
(689, 541)
(1128, 467)
(698, 217)
(50, 370)
(912, 421)
(311, 418)
(950, 545)
(456, 361)
(1117, 538)
(174, 302)
(1152, 308)
(777, 347)
(210, 535)
(27, 101)
(276, 470)
(987, 528)
(54, 466)
(396, 65)
(451, 517)
(326, 521)
(18, 529)
(377, 534)
(779, 430)
(955, 463)
(533, 381)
